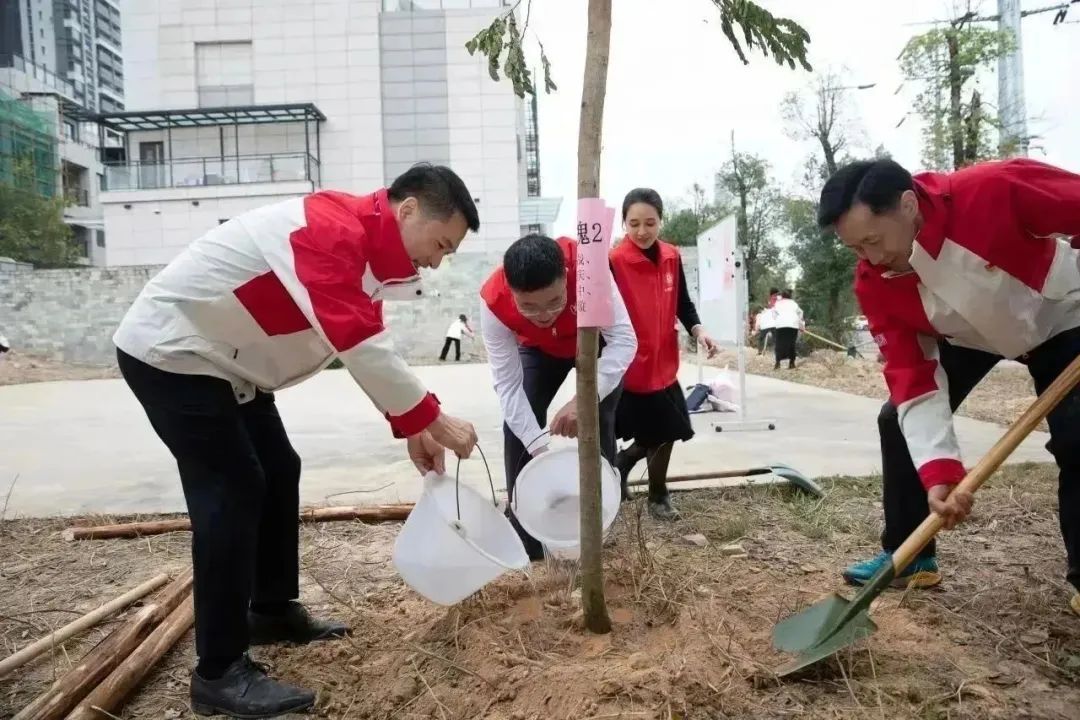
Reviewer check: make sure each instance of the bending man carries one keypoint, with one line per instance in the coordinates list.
(529, 323)
(264, 301)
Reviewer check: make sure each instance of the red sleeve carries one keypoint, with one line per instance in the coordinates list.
(1046, 198)
(329, 265)
(918, 386)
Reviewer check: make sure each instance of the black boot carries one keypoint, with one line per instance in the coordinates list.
(661, 508)
(292, 623)
(659, 498)
(246, 691)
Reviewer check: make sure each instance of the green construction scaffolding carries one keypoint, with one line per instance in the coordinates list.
(28, 148)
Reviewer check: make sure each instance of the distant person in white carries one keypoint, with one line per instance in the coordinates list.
(764, 324)
(529, 323)
(789, 320)
(453, 337)
(4, 345)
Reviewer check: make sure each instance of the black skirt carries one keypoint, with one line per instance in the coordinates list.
(652, 419)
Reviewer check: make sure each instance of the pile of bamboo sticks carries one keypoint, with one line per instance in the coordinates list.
(98, 684)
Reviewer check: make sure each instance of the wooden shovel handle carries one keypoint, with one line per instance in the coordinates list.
(993, 459)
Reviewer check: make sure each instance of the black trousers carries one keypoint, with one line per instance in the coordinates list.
(785, 344)
(543, 376)
(446, 348)
(241, 481)
(904, 497)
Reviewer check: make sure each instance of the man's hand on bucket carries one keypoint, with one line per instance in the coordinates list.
(456, 435)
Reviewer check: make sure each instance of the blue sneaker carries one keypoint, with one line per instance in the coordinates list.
(921, 573)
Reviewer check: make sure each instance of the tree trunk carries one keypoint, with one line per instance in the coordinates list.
(110, 694)
(589, 145)
(956, 133)
(972, 130)
(67, 691)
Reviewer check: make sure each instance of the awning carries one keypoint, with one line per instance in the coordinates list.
(134, 120)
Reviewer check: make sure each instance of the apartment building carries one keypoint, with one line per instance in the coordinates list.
(232, 104)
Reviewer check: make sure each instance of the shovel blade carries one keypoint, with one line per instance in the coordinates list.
(819, 631)
(797, 480)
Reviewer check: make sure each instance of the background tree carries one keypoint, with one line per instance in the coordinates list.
(947, 61)
(786, 41)
(757, 214)
(683, 224)
(32, 226)
(823, 116)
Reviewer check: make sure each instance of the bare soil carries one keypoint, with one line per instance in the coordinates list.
(17, 368)
(692, 624)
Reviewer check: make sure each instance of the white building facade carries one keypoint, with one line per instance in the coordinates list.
(233, 104)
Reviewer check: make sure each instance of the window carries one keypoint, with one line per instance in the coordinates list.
(100, 238)
(224, 74)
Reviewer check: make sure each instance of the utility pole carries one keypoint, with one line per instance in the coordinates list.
(1012, 110)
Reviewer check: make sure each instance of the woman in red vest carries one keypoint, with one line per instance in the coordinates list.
(652, 411)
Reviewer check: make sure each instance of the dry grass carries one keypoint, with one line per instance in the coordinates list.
(692, 624)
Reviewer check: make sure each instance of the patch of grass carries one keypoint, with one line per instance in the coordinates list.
(846, 508)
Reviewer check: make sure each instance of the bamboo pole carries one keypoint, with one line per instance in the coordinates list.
(68, 690)
(363, 513)
(75, 627)
(112, 691)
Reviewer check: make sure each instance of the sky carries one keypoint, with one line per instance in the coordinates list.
(676, 89)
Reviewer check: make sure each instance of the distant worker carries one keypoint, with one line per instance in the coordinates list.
(652, 412)
(788, 317)
(453, 337)
(259, 303)
(765, 327)
(4, 345)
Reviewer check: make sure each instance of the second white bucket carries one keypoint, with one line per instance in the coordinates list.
(547, 499)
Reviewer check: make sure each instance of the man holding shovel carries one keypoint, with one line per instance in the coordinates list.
(957, 271)
(262, 302)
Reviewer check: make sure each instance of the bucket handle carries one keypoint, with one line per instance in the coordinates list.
(457, 485)
(512, 500)
(459, 528)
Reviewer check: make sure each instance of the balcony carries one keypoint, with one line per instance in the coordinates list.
(209, 171)
(77, 197)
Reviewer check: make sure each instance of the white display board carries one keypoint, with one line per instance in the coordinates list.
(720, 282)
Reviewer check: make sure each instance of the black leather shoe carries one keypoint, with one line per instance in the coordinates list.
(662, 509)
(294, 625)
(246, 691)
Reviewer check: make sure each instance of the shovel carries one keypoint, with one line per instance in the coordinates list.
(794, 478)
(835, 622)
(850, 349)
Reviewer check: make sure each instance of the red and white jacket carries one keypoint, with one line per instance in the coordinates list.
(272, 296)
(994, 270)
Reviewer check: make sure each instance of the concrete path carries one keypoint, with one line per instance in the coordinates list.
(82, 447)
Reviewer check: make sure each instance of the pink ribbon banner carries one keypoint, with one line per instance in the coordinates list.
(595, 220)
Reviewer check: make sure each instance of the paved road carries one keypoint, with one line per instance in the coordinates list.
(80, 447)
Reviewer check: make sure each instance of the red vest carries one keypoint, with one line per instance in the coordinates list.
(559, 340)
(651, 294)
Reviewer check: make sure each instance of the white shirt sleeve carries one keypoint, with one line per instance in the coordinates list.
(620, 346)
(502, 351)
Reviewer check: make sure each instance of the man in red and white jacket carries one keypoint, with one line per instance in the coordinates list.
(957, 271)
(265, 301)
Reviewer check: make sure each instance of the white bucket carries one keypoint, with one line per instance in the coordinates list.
(446, 559)
(547, 500)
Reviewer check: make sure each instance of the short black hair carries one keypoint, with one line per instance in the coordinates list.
(533, 262)
(786, 294)
(774, 291)
(643, 195)
(462, 318)
(876, 183)
(439, 191)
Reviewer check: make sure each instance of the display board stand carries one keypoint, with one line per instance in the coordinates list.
(723, 305)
